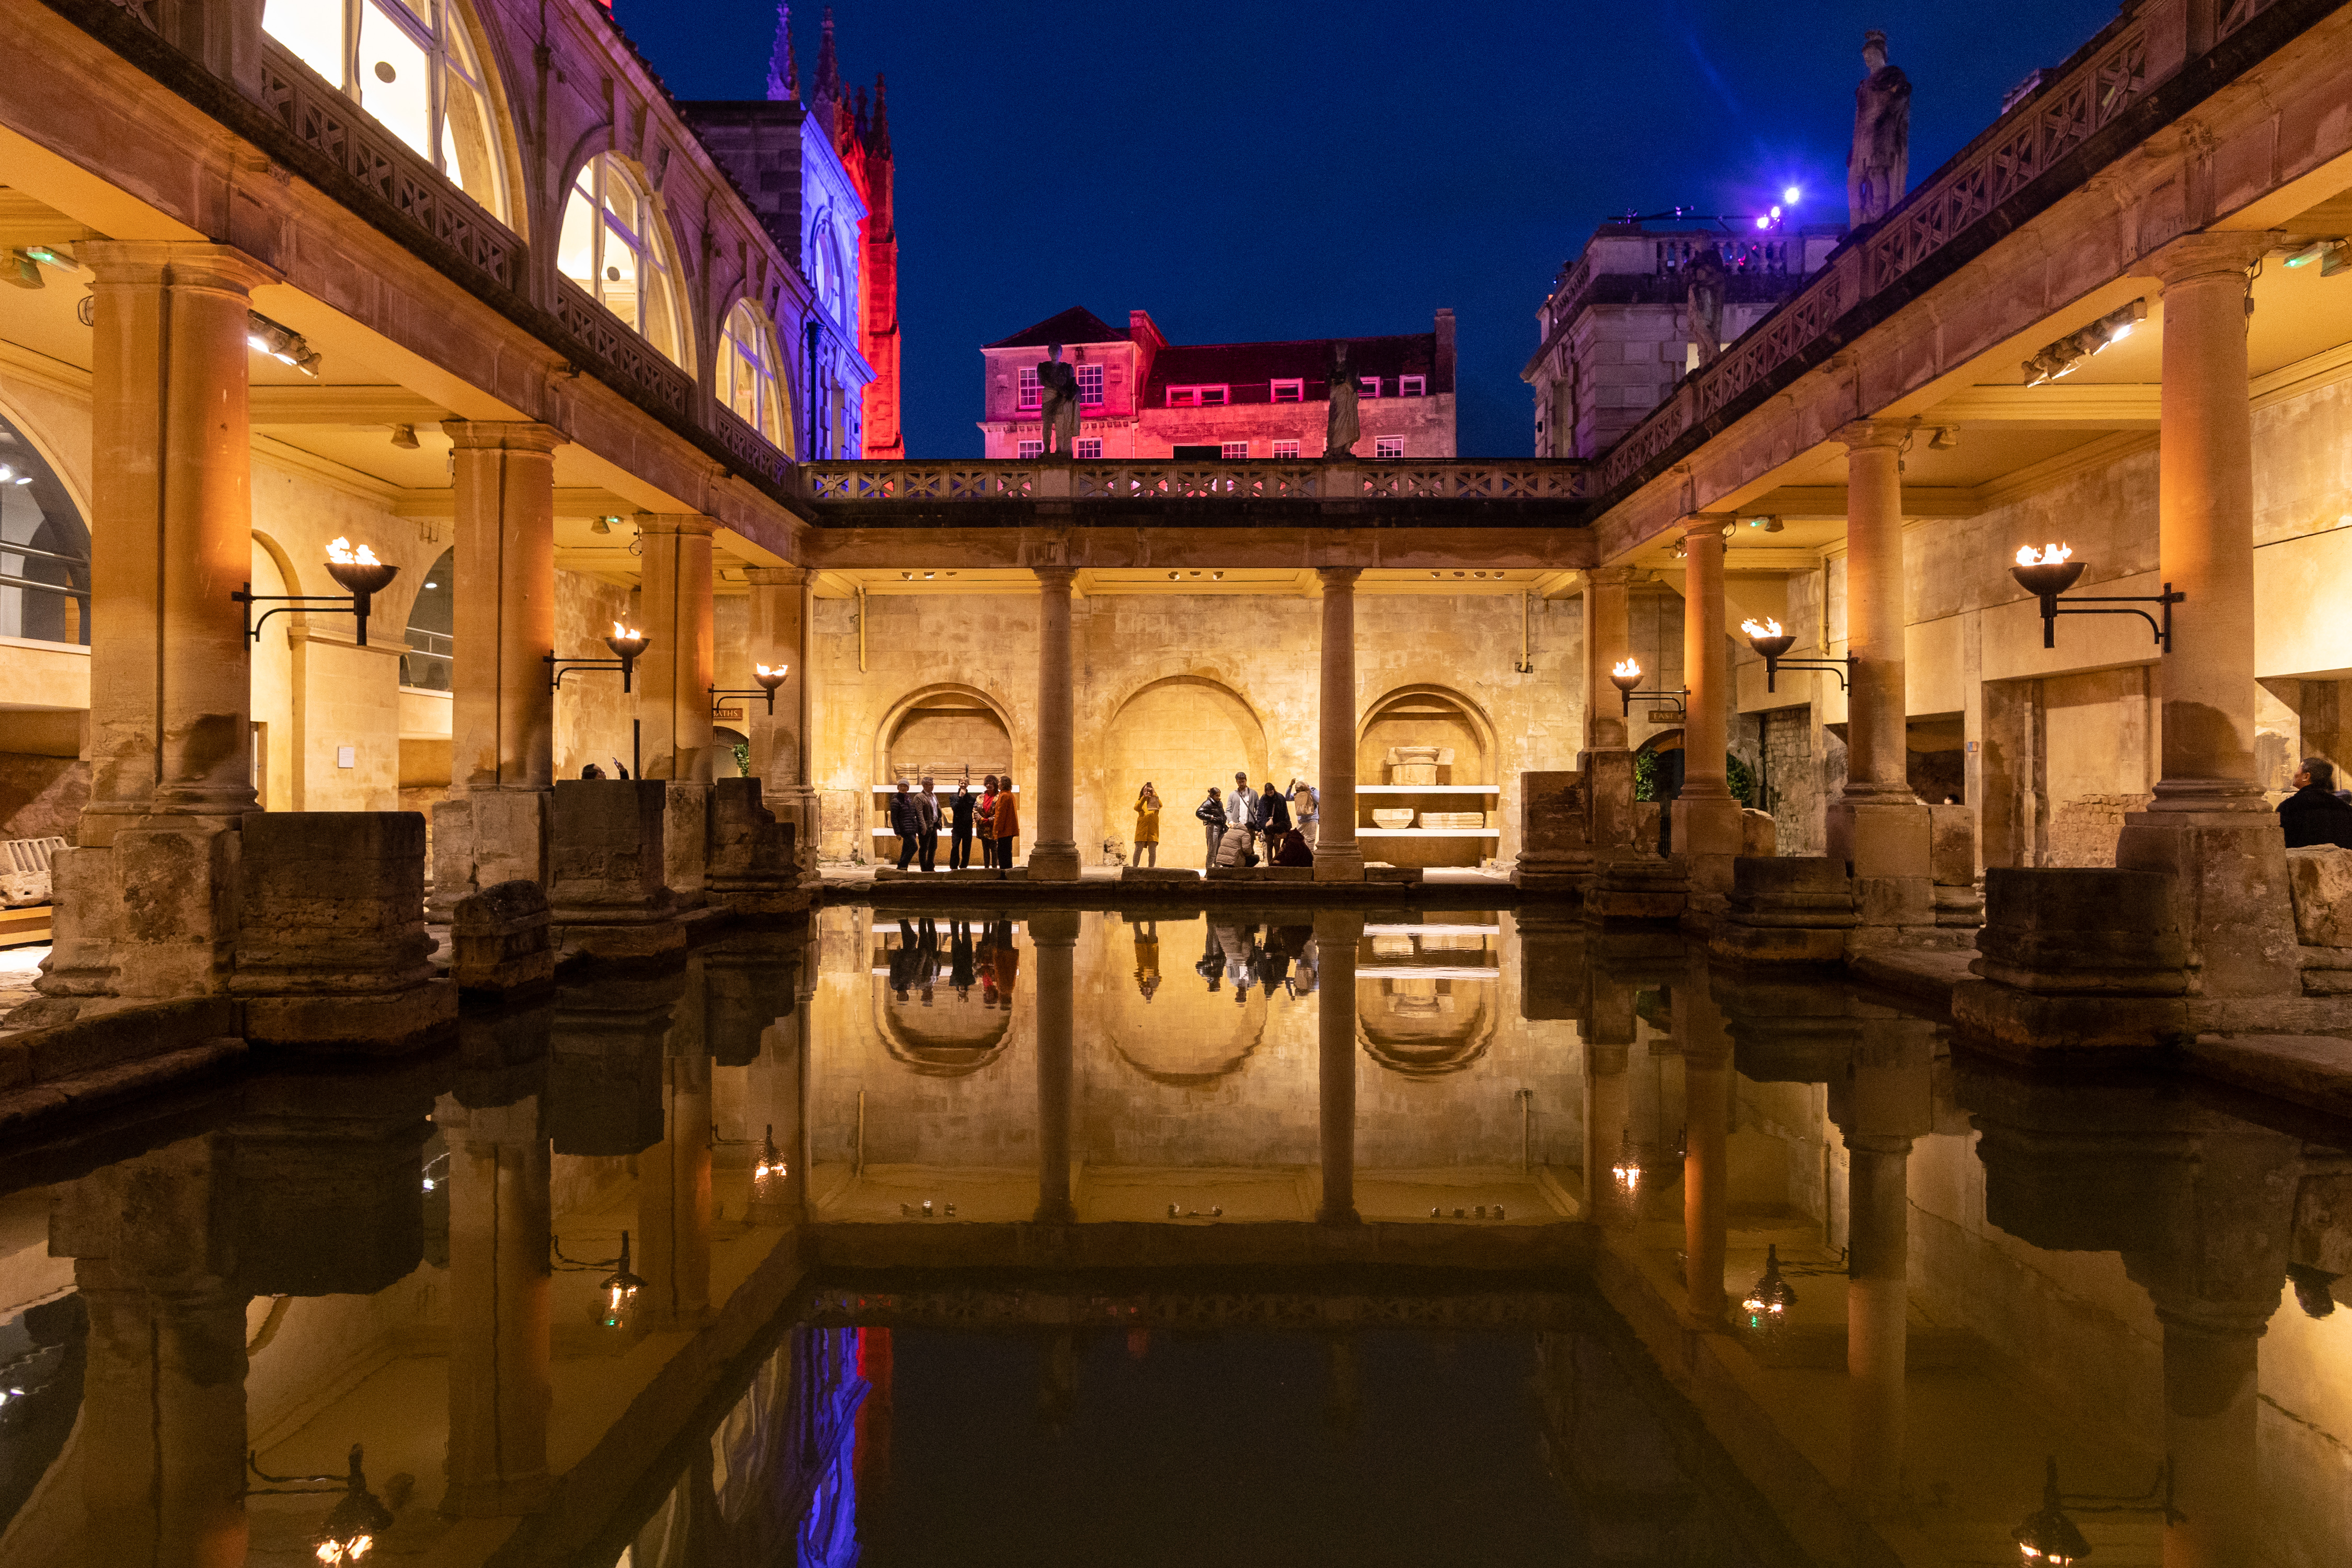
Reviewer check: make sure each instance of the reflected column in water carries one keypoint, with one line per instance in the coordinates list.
(1336, 932)
(773, 1111)
(1611, 1181)
(1883, 1106)
(1706, 1104)
(1055, 933)
(674, 1176)
(163, 1427)
(499, 1328)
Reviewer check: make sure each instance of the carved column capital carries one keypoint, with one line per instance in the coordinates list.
(1340, 577)
(777, 576)
(2195, 256)
(498, 434)
(1865, 434)
(1701, 524)
(183, 264)
(687, 522)
(1055, 577)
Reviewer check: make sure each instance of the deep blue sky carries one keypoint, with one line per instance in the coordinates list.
(1291, 170)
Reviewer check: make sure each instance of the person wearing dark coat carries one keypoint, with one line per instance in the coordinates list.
(1212, 813)
(959, 956)
(960, 807)
(907, 822)
(2314, 814)
(1273, 818)
(1293, 850)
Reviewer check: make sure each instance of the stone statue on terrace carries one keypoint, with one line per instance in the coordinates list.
(1341, 431)
(1878, 169)
(1057, 404)
(1704, 304)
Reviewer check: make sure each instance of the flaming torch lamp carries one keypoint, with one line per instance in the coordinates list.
(356, 569)
(628, 645)
(2047, 573)
(1626, 675)
(1767, 637)
(768, 680)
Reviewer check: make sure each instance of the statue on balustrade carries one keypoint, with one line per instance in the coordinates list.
(1878, 169)
(1057, 404)
(1341, 431)
(1704, 306)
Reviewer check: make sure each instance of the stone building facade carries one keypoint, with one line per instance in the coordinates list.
(1143, 397)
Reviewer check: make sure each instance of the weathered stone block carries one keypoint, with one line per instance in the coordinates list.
(1760, 835)
(751, 867)
(1889, 840)
(1633, 888)
(499, 939)
(1555, 844)
(1952, 845)
(686, 841)
(1791, 910)
(331, 944)
(605, 1059)
(485, 837)
(2319, 884)
(2082, 932)
(607, 893)
(1608, 799)
(2225, 874)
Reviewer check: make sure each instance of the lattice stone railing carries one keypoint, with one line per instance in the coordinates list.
(2022, 145)
(752, 451)
(1377, 479)
(323, 119)
(628, 358)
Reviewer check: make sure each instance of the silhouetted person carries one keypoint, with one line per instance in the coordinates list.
(2314, 814)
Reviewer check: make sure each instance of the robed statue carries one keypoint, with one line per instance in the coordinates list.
(1878, 169)
(1704, 304)
(1340, 430)
(1057, 404)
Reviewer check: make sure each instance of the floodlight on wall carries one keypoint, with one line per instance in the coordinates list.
(281, 343)
(2333, 255)
(2050, 1537)
(2049, 571)
(1626, 676)
(404, 437)
(627, 644)
(2066, 355)
(355, 567)
(1771, 642)
(349, 1532)
(768, 680)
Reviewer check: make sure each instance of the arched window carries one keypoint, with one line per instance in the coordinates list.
(616, 246)
(44, 548)
(412, 65)
(751, 376)
(431, 618)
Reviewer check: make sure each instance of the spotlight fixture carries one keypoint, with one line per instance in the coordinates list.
(356, 569)
(1772, 644)
(2066, 356)
(404, 437)
(601, 524)
(2333, 255)
(281, 343)
(2049, 571)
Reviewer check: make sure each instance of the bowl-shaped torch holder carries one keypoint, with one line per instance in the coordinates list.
(2045, 582)
(364, 580)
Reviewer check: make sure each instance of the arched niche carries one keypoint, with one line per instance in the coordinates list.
(1424, 1027)
(942, 727)
(1167, 1025)
(1182, 734)
(1424, 715)
(940, 1007)
(1426, 725)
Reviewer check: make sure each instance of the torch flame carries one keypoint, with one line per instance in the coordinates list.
(1626, 667)
(778, 671)
(624, 633)
(1768, 627)
(341, 554)
(2055, 555)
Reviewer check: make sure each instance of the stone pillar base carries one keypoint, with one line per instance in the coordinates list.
(1555, 834)
(2225, 872)
(1635, 889)
(1792, 910)
(2073, 959)
(686, 841)
(607, 894)
(1052, 863)
(149, 916)
(753, 865)
(499, 940)
(1339, 865)
(1708, 837)
(484, 837)
(331, 950)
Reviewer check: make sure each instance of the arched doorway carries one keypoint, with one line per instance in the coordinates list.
(1183, 734)
(949, 732)
(1426, 760)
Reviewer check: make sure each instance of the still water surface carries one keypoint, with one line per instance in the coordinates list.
(1324, 1237)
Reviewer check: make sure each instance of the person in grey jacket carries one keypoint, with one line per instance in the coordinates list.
(1241, 806)
(926, 812)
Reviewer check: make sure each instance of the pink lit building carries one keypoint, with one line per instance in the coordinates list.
(1142, 396)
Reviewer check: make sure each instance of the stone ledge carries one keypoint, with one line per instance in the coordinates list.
(2309, 1069)
(21, 1108)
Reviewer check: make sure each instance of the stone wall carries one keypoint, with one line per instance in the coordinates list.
(592, 717)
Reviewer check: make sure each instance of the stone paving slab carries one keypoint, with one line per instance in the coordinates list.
(2308, 1070)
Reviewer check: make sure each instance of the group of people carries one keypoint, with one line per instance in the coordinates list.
(992, 816)
(1234, 825)
(979, 953)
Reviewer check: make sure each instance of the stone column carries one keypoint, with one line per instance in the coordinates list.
(1054, 851)
(673, 687)
(779, 739)
(811, 821)
(1706, 817)
(1706, 1044)
(171, 685)
(2208, 827)
(772, 1104)
(1339, 858)
(1879, 826)
(503, 704)
(674, 1178)
(1336, 932)
(1877, 1307)
(1606, 640)
(2211, 1413)
(1053, 936)
(1608, 1112)
(500, 1343)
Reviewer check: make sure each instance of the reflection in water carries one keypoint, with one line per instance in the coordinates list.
(966, 1236)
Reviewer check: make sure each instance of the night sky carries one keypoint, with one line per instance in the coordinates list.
(1284, 170)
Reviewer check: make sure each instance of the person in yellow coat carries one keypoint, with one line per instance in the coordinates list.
(1146, 825)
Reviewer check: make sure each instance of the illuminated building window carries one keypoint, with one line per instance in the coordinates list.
(750, 379)
(1286, 450)
(1233, 451)
(1031, 394)
(1196, 397)
(1370, 385)
(1413, 386)
(1032, 449)
(413, 67)
(1389, 447)
(1090, 387)
(616, 246)
(1089, 448)
(1290, 392)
